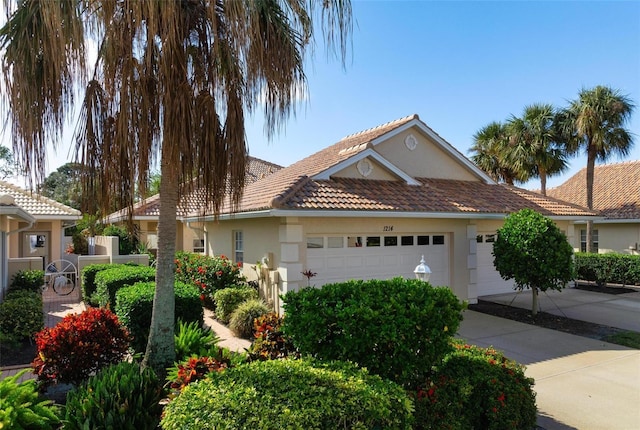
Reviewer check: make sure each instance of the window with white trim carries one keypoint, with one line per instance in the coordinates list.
(238, 246)
(583, 241)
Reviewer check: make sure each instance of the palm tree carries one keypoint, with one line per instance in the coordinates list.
(595, 122)
(172, 83)
(490, 152)
(533, 144)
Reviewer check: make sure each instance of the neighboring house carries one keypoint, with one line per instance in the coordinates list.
(369, 207)
(616, 194)
(189, 236)
(41, 233)
(9, 213)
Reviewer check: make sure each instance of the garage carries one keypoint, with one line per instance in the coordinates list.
(337, 258)
(489, 279)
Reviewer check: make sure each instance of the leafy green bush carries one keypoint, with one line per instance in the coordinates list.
(228, 299)
(31, 280)
(208, 274)
(120, 396)
(396, 328)
(109, 281)
(21, 316)
(79, 345)
(21, 407)
(291, 394)
(608, 268)
(127, 242)
(476, 388)
(192, 339)
(242, 319)
(89, 280)
(269, 342)
(134, 306)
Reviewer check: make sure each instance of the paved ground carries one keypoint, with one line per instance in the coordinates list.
(580, 383)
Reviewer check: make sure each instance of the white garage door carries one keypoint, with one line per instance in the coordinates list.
(338, 258)
(489, 279)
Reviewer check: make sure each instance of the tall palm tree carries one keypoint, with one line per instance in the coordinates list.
(490, 152)
(172, 84)
(534, 145)
(595, 122)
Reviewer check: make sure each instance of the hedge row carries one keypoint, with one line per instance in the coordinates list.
(109, 281)
(608, 268)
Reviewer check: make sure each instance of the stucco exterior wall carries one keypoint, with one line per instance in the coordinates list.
(613, 237)
(378, 172)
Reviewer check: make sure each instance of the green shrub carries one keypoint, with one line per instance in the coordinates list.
(109, 281)
(608, 268)
(127, 243)
(21, 316)
(208, 274)
(21, 407)
(291, 394)
(269, 342)
(228, 299)
(242, 319)
(78, 346)
(134, 306)
(89, 280)
(396, 328)
(31, 280)
(121, 396)
(192, 339)
(476, 388)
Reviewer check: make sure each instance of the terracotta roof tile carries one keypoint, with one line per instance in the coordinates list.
(616, 190)
(434, 195)
(37, 205)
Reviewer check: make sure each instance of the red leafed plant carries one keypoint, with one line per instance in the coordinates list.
(194, 369)
(78, 346)
(270, 343)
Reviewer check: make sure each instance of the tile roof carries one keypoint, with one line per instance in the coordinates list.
(257, 169)
(294, 188)
(38, 206)
(616, 189)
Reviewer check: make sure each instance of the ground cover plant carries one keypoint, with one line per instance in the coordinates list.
(291, 394)
(78, 346)
(396, 328)
(22, 408)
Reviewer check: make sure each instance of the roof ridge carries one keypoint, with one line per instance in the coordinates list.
(377, 127)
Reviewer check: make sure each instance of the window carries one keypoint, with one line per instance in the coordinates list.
(315, 242)
(198, 245)
(335, 242)
(438, 240)
(373, 241)
(406, 240)
(391, 241)
(423, 240)
(490, 238)
(479, 238)
(238, 246)
(354, 241)
(583, 241)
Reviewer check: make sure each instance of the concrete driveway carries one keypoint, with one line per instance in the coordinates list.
(580, 383)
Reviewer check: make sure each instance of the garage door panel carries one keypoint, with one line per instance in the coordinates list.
(489, 280)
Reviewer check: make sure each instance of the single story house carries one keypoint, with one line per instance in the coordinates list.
(189, 235)
(369, 207)
(616, 196)
(32, 229)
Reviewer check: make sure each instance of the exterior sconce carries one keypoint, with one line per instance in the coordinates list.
(423, 272)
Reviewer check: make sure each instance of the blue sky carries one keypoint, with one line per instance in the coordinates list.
(459, 65)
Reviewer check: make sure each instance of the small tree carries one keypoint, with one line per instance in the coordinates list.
(531, 250)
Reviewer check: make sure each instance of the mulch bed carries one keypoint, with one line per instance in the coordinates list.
(606, 289)
(546, 320)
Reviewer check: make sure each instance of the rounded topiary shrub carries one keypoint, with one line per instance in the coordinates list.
(80, 345)
(476, 388)
(396, 328)
(134, 306)
(291, 394)
(242, 319)
(21, 316)
(228, 299)
(30, 280)
(121, 396)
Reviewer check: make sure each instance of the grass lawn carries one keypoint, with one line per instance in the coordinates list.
(626, 338)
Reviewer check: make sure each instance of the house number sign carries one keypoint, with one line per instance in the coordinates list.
(387, 228)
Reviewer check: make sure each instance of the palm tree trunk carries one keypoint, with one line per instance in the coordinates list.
(160, 353)
(543, 180)
(591, 163)
(534, 301)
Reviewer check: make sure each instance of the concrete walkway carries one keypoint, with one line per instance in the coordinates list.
(580, 383)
